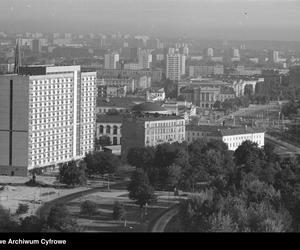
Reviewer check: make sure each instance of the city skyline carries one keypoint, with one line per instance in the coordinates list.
(246, 19)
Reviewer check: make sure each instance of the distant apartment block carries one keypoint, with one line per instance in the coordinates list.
(206, 70)
(145, 59)
(111, 60)
(175, 66)
(154, 74)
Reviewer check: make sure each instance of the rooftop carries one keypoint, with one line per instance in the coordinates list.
(156, 117)
(46, 69)
(148, 106)
(224, 130)
(123, 102)
(109, 118)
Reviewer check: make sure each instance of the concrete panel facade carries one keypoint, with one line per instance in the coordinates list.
(20, 103)
(4, 149)
(4, 102)
(20, 149)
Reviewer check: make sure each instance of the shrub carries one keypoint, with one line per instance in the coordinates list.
(118, 211)
(88, 207)
(59, 219)
(22, 209)
(31, 223)
(7, 224)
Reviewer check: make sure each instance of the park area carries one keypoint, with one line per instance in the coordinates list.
(14, 191)
(135, 219)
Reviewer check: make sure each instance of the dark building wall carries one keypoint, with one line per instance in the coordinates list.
(295, 76)
(14, 100)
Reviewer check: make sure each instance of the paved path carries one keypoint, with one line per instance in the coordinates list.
(161, 223)
(43, 210)
(283, 147)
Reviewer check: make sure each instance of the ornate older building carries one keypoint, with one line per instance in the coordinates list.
(109, 125)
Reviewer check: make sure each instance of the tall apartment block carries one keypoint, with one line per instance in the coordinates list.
(145, 59)
(47, 116)
(110, 60)
(175, 66)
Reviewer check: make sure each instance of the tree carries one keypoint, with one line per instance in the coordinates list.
(217, 105)
(269, 153)
(22, 209)
(104, 141)
(141, 157)
(88, 207)
(171, 88)
(222, 223)
(248, 154)
(112, 112)
(290, 108)
(71, 174)
(32, 223)
(101, 163)
(139, 188)
(173, 176)
(118, 211)
(60, 219)
(7, 224)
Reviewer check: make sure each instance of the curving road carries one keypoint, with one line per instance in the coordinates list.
(161, 223)
(43, 210)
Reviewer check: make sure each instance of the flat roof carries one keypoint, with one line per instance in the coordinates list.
(109, 118)
(157, 118)
(224, 130)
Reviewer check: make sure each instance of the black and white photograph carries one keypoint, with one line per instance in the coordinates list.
(148, 116)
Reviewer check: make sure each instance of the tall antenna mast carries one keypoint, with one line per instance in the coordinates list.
(18, 61)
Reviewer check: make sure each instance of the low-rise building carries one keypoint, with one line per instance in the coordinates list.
(232, 136)
(128, 82)
(155, 95)
(122, 105)
(109, 125)
(151, 130)
(150, 108)
(226, 94)
(116, 90)
(206, 70)
(143, 82)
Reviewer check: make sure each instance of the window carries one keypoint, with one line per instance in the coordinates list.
(115, 130)
(115, 141)
(101, 129)
(108, 129)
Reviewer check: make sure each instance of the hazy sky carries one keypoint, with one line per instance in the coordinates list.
(225, 19)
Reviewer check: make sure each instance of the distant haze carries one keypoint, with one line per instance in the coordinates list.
(223, 19)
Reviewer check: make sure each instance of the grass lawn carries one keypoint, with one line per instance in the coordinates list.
(173, 225)
(103, 222)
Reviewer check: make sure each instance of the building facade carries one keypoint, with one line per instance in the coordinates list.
(145, 59)
(151, 131)
(206, 70)
(47, 116)
(175, 66)
(110, 60)
(233, 137)
(109, 125)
